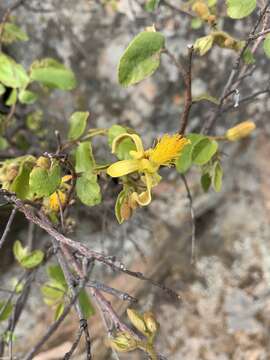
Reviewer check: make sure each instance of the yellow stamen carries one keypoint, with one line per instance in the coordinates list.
(167, 149)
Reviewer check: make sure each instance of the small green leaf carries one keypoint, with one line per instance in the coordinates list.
(125, 146)
(53, 74)
(204, 44)
(27, 97)
(84, 159)
(53, 292)
(85, 304)
(44, 182)
(33, 259)
(184, 162)
(3, 143)
(206, 181)
(78, 122)
(59, 311)
(152, 5)
(12, 74)
(196, 23)
(12, 33)
(20, 184)
(217, 177)
(266, 46)
(238, 9)
(141, 58)
(211, 3)
(11, 100)
(203, 151)
(2, 89)
(56, 273)
(5, 310)
(19, 251)
(88, 189)
(206, 97)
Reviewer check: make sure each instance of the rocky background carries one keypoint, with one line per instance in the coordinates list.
(225, 308)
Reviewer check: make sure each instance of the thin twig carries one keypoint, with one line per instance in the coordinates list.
(7, 228)
(188, 92)
(193, 220)
(30, 355)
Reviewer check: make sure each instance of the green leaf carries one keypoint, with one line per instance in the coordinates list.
(152, 5)
(85, 304)
(11, 100)
(206, 181)
(238, 9)
(196, 23)
(3, 143)
(44, 182)
(5, 310)
(78, 122)
(203, 151)
(84, 159)
(20, 184)
(88, 189)
(206, 97)
(53, 292)
(12, 33)
(266, 46)
(59, 311)
(33, 259)
(19, 251)
(56, 273)
(27, 97)
(125, 146)
(12, 74)
(141, 58)
(2, 89)
(217, 177)
(204, 44)
(184, 162)
(53, 74)
(211, 3)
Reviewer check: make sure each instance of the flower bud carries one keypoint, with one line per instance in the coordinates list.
(240, 131)
(43, 162)
(201, 10)
(151, 323)
(137, 320)
(123, 342)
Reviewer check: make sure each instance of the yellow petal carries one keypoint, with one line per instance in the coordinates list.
(123, 167)
(144, 198)
(136, 139)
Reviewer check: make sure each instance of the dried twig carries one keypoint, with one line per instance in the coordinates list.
(7, 228)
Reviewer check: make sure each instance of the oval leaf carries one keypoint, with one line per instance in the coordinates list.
(88, 190)
(33, 259)
(45, 182)
(84, 158)
(141, 58)
(238, 9)
(12, 74)
(53, 74)
(203, 151)
(78, 122)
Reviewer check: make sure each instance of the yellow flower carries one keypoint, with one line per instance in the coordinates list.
(147, 162)
(55, 198)
(240, 131)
